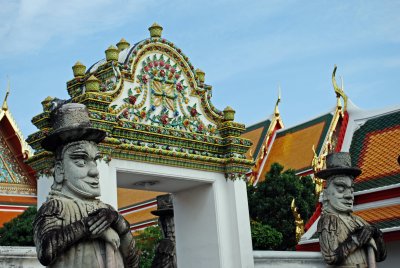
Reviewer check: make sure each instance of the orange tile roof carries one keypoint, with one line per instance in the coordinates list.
(381, 150)
(292, 148)
(129, 197)
(256, 134)
(375, 149)
(380, 214)
(141, 215)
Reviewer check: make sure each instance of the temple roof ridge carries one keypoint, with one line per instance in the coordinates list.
(308, 120)
(359, 113)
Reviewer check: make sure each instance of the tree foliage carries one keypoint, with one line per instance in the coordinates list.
(146, 242)
(19, 231)
(269, 202)
(264, 237)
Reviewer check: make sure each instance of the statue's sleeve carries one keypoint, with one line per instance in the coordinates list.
(50, 236)
(128, 250)
(333, 251)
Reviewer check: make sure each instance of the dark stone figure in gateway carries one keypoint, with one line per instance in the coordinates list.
(73, 228)
(346, 240)
(165, 253)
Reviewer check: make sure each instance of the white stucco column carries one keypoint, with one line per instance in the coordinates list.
(108, 183)
(212, 225)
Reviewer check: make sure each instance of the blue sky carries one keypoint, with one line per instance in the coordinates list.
(246, 48)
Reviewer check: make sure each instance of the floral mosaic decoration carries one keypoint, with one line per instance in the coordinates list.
(169, 98)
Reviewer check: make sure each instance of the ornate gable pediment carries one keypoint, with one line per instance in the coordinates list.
(155, 108)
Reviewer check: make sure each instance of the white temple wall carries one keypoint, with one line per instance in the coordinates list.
(211, 213)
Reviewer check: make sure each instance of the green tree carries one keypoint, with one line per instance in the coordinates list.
(19, 231)
(269, 202)
(264, 237)
(146, 242)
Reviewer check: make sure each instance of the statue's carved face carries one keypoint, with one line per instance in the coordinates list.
(79, 165)
(339, 195)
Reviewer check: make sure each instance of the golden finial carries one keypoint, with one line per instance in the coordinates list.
(79, 69)
(229, 114)
(155, 30)
(339, 91)
(92, 84)
(276, 111)
(4, 107)
(122, 44)
(112, 53)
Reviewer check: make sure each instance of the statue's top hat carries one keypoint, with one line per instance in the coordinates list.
(71, 123)
(164, 206)
(338, 164)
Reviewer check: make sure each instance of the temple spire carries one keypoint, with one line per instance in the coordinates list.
(4, 107)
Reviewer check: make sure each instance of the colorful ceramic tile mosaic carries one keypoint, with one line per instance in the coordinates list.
(10, 171)
(155, 108)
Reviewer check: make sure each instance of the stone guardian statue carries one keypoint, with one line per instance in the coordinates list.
(165, 253)
(73, 228)
(346, 240)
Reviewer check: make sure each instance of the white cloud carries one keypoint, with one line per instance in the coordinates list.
(27, 25)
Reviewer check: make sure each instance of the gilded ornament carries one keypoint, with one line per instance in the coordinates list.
(79, 69)
(155, 30)
(200, 75)
(122, 44)
(112, 53)
(339, 91)
(229, 114)
(92, 84)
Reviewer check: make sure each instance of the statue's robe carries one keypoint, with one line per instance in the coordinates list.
(165, 254)
(60, 238)
(336, 238)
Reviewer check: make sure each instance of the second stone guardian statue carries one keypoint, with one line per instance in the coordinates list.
(346, 240)
(73, 228)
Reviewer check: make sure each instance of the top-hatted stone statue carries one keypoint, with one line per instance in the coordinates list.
(165, 253)
(346, 240)
(73, 228)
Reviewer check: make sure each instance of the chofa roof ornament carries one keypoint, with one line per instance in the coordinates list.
(339, 91)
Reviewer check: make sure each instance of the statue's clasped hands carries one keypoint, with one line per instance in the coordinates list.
(98, 222)
(364, 234)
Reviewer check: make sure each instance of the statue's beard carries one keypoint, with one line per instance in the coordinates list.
(82, 189)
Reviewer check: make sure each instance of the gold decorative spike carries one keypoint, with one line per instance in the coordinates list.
(297, 220)
(276, 111)
(4, 107)
(317, 164)
(339, 91)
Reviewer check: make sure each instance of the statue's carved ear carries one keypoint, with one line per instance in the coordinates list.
(58, 172)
